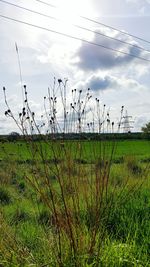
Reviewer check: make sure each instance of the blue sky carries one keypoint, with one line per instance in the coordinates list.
(115, 78)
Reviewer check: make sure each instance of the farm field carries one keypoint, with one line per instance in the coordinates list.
(75, 203)
(20, 150)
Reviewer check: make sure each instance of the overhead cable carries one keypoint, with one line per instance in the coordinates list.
(100, 23)
(73, 37)
(75, 25)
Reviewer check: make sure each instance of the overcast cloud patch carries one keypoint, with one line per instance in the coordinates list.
(97, 83)
(96, 57)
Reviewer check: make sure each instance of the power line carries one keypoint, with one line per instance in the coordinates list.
(100, 23)
(73, 37)
(116, 29)
(75, 25)
(48, 4)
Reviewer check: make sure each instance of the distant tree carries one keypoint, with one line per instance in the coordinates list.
(146, 128)
(13, 136)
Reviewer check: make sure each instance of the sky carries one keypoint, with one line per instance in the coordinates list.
(115, 78)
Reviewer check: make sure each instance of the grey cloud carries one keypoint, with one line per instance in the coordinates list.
(97, 83)
(94, 57)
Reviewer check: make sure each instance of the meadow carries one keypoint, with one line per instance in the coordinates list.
(81, 202)
(75, 203)
(20, 150)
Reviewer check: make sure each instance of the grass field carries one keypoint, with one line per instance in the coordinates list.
(72, 204)
(137, 148)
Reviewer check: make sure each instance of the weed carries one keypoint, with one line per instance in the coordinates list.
(81, 204)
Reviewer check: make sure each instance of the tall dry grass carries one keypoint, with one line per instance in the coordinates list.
(78, 195)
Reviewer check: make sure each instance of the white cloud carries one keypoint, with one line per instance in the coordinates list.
(138, 1)
(115, 78)
(142, 6)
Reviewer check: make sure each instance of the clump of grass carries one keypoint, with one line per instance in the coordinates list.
(12, 251)
(118, 160)
(5, 197)
(121, 255)
(6, 176)
(19, 215)
(21, 186)
(129, 221)
(133, 166)
(44, 218)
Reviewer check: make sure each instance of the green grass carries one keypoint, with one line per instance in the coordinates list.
(28, 228)
(21, 151)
